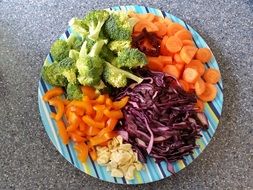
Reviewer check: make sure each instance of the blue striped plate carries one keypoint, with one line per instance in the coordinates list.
(152, 171)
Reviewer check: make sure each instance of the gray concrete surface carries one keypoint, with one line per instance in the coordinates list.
(28, 160)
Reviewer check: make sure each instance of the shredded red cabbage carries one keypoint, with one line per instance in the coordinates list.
(160, 118)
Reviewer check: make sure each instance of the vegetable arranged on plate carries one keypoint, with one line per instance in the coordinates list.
(127, 86)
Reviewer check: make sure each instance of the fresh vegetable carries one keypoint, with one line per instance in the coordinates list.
(200, 86)
(59, 50)
(79, 27)
(174, 28)
(197, 65)
(212, 76)
(190, 75)
(119, 26)
(118, 77)
(187, 53)
(174, 44)
(119, 45)
(209, 94)
(172, 70)
(74, 91)
(57, 91)
(95, 20)
(204, 55)
(184, 34)
(90, 66)
(160, 118)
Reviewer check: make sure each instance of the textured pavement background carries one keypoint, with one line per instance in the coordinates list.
(28, 160)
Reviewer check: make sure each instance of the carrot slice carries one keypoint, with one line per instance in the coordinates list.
(187, 53)
(200, 86)
(150, 27)
(148, 16)
(184, 34)
(167, 21)
(172, 70)
(89, 91)
(204, 55)
(198, 65)
(56, 91)
(200, 105)
(180, 66)
(177, 58)
(190, 75)
(165, 60)
(209, 94)
(173, 44)
(163, 49)
(188, 43)
(155, 64)
(184, 85)
(162, 29)
(174, 28)
(212, 76)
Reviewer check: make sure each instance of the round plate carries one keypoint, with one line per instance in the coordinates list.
(152, 171)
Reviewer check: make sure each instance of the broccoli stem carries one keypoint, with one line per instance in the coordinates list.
(128, 74)
(96, 48)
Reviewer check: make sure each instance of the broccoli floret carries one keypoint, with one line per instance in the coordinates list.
(69, 69)
(74, 42)
(119, 45)
(119, 26)
(130, 58)
(74, 54)
(95, 20)
(107, 54)
(79, 27)
(52, 74)
(74, 91)
(59, 50)
(118, 77)
(90, 65)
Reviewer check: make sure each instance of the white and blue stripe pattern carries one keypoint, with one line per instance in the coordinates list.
(153, 171)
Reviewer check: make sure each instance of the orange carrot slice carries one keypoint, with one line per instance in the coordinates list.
(188, 43)
(212, 76)
(172, 70)
(184, 34)
(187, 53)
(190, 75)
(200, 86)
(174, 28)
(198, 65)
(185, 85)
(209, 94)
(174, 44)
(204, 55)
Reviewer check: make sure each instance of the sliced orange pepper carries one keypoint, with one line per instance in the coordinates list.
(113, 114)
(59, 107)
(82, 150)
(76, 138)
(110, 125)
(79, 111)
(93, 153)
(86, 105)
(89, 91)
(101, 139)
(99, 107)
(90, 122)
(100, 99)
(56, 91)
(92, 131)
(99, 115)
(62, 131)
(82, 126)
(108, 103)
(121, 103)
(66, 102)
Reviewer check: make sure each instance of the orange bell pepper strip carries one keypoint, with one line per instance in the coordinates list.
(93, 153)
(79, 111)
(76, 138)
(117, 105)
(62, 132)
(82, 151)
(92, 131)
(86, 105)
(108, 103)
(90, 122)
(99, 107)
(59, 107)
(82, 126)
(100, 99)
(57, 91)
(89, 91)
(113, 114)
(110, 125)
(99, 115)
(101, 139)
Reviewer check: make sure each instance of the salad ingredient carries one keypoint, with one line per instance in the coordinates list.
(199, 105)
(141, 24)
(173, 28)
(185, 85)
(183, 34)
(188, 43)
(130, 58)
(178, 59)
(199, 86)
(79, 27)
(209, 94)
(162, 28)
(53, 92)
(174, 44)
(187, 53)
(90, 66)
(68, 69)
(59, 50)
(90, 121)
(197, 65)
(172, 70)
(154, 63)
(190, 75)
(74, 42)
(160, 118)
(95, 20)
(74, 54)
(119, 26)
(204, 55)
(119, 158)
(119, 45)
(212, 76)
(118, 77)
(74, 91)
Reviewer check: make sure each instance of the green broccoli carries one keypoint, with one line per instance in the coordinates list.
(119, 26)
(118, 77)
(74, 42)
(95, 20)
(52, 74)
(79, 27)
(68, 68)
(90, 65)
(74, 54)
(119, 45)
(59, 50)
(74, 91)
(130, 58)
